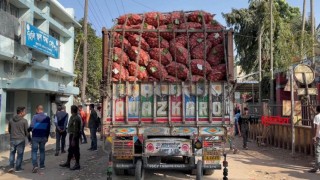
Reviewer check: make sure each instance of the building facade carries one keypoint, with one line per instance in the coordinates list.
(36, 58)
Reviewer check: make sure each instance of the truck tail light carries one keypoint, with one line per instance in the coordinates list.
(185, 147)
(150, 147)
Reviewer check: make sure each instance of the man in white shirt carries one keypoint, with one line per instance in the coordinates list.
(316, 140)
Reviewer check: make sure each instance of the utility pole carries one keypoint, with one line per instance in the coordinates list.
(292, 111)
(303, 26)
(259, 56)
(271, 55)
(85, 53)
(312, 31)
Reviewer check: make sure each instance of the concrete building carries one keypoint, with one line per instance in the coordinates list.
(35, 68)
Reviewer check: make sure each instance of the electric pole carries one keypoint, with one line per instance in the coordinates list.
(303, 25)
(85, 53)
(271, 55)
(312, 31)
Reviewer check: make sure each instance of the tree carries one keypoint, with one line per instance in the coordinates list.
(94, 62)
(286, 30)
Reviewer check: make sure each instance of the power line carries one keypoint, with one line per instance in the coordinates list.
(143, 5)
(100, 12)
(117, 6)
(124, 11)
(93, 11)
(105, 2)
(95, 27)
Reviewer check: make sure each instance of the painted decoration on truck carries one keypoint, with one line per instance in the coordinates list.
(203, 102)
(216, 90)
(133, 102)
(124, 131)
(227, 101)
(119, 101)
(211, 131)
(190, 103)
(176, 102)
(162, 97)
(154, 131)
(182, 131)
(146, 102)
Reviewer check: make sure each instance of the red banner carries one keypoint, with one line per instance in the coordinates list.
(269, 120)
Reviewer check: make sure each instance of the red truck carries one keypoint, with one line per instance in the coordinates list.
(167, 92)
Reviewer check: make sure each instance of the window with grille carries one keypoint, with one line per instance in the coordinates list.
(6, 6)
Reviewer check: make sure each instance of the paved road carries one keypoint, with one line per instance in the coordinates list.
(255, 163)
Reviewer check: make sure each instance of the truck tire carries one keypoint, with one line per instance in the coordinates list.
(208, 172)
(139, 172)
(199, 170)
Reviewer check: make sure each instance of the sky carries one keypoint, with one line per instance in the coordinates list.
(103, 12)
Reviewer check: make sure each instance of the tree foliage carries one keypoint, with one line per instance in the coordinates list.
(247, 23)
(94, 62)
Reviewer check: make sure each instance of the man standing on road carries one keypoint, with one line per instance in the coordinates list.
(18, 129)
(93, 125)
(244, 121)
(83, 116)
(316, 140)
(74, 128)
(61, 122)
(40, 127)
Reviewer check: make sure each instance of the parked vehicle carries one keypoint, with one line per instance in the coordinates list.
(167, 92)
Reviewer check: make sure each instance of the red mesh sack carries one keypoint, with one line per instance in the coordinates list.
(197, 16)
(178, 69)
(132, 79)
(134, 41)
(216, 55)
(198, 51)
(179, 53)
(195, 39)
(132, 19)
(171, 79)
(215, 37)
(120, 57)
(167, 35)
(218, 73)
(118, 41)
(157, 70)
(136, 70)
(166, 57)
(119, 72)
(144, 56)
(199, 66)
(152, 18)
(181, 39)
(154, 43)
(177, 17)
(145, 26)
(190, 25)
(197, 78)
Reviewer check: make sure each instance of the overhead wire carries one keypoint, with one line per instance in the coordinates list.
(117, 7)
(143, 5)
(93, 12)
(95, 27)
(106, 24)
(105, 2)
(124, 11)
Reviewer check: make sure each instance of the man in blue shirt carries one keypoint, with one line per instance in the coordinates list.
(40, 127)
(61, 122)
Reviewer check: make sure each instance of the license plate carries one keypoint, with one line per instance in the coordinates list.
(212, 158)
(124, 157)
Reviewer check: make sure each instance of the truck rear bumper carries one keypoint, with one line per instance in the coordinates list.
(166, 166)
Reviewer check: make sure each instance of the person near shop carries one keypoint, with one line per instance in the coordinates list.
(18, 130)
(244, 121)
(61, 122)
(316, 140)
(40, 128)
(94, 124)
(83, 115)
(74, 128)
(236, 123)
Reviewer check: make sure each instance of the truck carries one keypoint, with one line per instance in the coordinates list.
(162, 111)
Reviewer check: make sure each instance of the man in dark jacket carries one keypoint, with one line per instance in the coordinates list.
(40, 127)
(61, 122)
(94, 123)
(244, 121)
(74, 129)
(18, 129)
